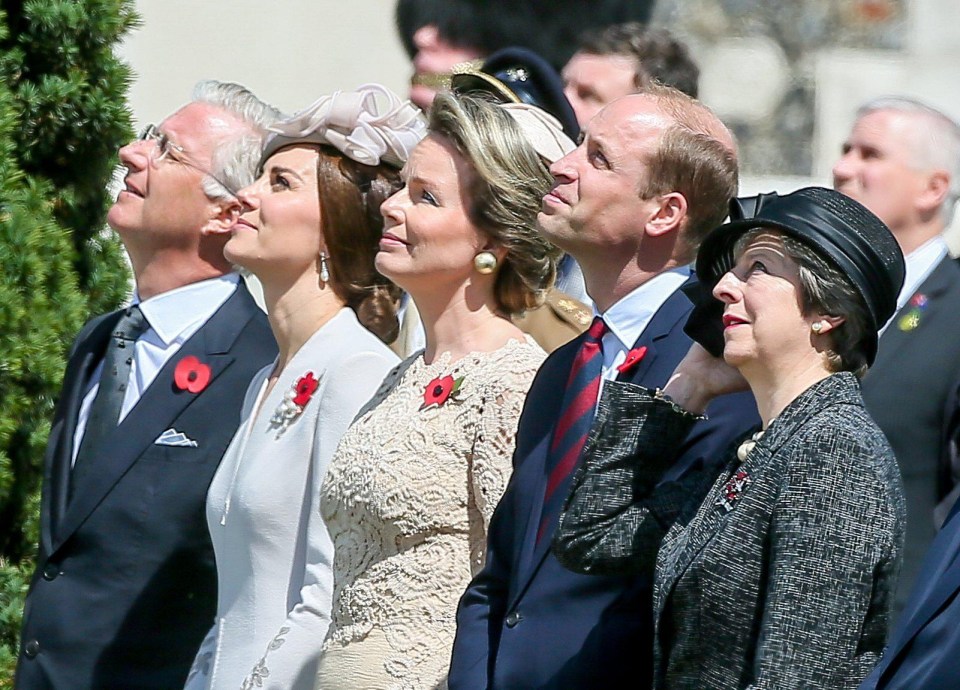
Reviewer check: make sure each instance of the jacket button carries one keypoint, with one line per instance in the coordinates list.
(50, 571)
(31, 648)
(513, 618)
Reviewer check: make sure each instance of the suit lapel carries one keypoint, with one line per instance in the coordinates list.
(76, 378)
(526, 534)
(686, 541)
(157, 408)
(894, 338)
(652, 371)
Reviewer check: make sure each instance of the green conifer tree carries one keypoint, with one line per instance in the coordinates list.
(63, 115)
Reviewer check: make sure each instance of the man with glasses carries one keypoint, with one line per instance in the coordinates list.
(125, 586)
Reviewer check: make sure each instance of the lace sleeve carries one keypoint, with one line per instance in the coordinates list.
(491, 462)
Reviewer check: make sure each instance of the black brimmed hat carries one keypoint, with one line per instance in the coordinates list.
(838, 228)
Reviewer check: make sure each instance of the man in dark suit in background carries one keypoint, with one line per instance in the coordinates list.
(902, 161)
(125, 586)
(628, 206)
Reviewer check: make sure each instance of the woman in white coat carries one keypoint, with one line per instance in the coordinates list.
(309, 231)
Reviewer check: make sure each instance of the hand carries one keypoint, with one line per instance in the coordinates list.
(700, 377)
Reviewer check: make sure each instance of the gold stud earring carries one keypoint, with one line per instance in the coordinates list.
(485, 262)
(816, 327)
(324, 270)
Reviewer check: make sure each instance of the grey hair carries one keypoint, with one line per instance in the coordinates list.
(936, 145)
(825, 289)
(235, 161)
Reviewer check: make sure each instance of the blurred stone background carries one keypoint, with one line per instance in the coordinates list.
(785, 75)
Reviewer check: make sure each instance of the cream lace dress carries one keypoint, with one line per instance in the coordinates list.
(407, 500)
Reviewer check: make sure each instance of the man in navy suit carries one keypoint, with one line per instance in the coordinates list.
(902, 161)
(924, 649)
(653, 174)
(125, 585)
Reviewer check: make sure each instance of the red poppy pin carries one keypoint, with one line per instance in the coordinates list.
(191, 374)
(305, 388)
(294, 401)
(440, 390)
(733, 490)
(633, 359)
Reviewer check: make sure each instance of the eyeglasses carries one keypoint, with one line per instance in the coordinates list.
(167, 150)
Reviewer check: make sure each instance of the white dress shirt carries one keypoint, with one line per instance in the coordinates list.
(920, 264)
(173, 317)
(627, 318)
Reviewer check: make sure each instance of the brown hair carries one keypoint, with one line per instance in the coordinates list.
(659, 56)
(508, 183)
(695, 157)
(350, 221)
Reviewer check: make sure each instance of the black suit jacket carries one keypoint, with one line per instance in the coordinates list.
(905, 391)
(525, 622)
(125, 586)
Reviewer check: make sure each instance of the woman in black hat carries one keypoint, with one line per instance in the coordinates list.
(779, 572)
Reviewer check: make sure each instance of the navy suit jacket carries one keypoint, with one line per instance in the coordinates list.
(125, 585)
(527, 622)
(924, 650)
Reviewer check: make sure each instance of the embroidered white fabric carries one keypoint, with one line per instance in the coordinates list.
(407, 499)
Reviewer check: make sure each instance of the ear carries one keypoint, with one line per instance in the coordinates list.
(935, 191)
(225, 212)
(498, 250)
(827, 323)
(668, 216)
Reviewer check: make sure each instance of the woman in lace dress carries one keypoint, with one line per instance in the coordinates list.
(412, 486)
(309, 230)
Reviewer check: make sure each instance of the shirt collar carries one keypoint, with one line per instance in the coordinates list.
(172, 313)
(920, 264)
(629, 316)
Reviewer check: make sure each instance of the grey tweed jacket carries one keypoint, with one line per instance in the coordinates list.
(776, 574)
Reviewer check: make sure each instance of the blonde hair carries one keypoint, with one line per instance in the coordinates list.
(508, 185)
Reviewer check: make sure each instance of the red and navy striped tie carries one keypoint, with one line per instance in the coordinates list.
(576, 416)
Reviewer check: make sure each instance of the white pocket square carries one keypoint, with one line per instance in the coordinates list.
(172, 437)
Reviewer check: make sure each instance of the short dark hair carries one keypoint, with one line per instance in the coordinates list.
(691, 159)
(659, 55)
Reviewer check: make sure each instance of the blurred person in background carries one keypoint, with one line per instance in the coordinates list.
(624, 58)
(438, 34)
(902, 161)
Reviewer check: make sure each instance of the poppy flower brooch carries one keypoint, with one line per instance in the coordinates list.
(440, 390)
(632, 359)
(191, 374)
(733, 490)
(294, 401)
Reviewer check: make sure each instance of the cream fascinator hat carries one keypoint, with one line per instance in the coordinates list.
(541, 129)
(370, 125)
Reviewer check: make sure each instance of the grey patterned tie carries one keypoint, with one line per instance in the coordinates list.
(105, 410)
